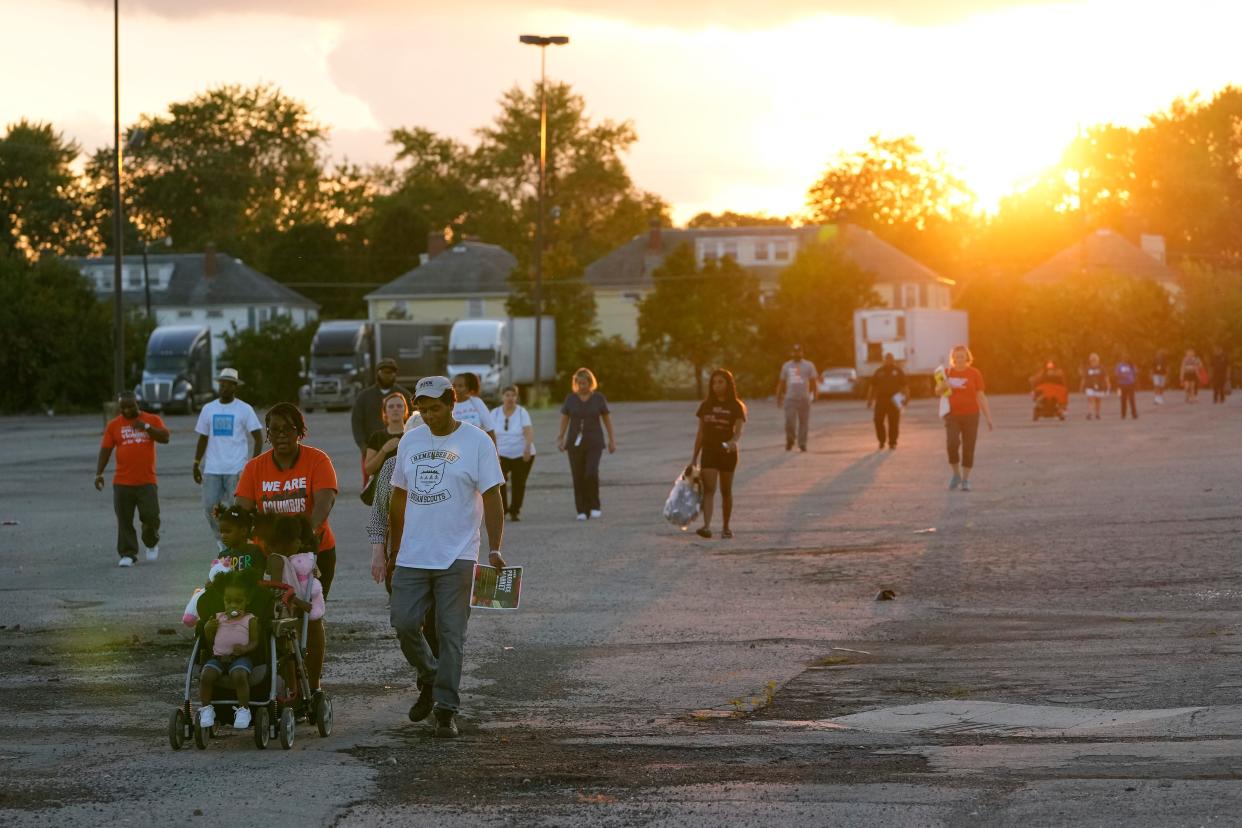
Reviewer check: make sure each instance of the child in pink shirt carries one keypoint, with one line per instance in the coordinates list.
(232, 635)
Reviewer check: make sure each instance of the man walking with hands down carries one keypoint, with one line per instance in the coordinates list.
(133, 434)
(226, 426)
(888, 392)
(794, 393)
(445, 481)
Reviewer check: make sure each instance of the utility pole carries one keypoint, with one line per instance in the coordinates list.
(118, 223)
(542, 42)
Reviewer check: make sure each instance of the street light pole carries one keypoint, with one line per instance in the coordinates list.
(118, 309)
(542, 42)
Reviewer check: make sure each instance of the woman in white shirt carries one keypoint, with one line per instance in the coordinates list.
(515, 443)
(469, 408)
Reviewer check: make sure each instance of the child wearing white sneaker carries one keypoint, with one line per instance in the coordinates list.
(232, 635)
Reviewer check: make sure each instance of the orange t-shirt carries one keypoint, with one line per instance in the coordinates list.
(135, 450)
(289, 491)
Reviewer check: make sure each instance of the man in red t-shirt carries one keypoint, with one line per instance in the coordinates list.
(133, 434)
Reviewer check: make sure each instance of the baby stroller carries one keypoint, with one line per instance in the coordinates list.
(279, 688)
(1051, 400)
(1050, 392)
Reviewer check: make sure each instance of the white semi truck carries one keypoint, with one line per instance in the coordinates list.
(501, 352)
(918, 338)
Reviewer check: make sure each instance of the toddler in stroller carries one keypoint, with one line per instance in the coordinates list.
(275, 684)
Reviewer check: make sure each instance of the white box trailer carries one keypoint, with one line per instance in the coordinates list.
(501, 352)
(918, 338)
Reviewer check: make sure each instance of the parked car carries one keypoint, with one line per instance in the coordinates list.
(837, 382)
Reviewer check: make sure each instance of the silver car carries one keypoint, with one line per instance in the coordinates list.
(838, 382)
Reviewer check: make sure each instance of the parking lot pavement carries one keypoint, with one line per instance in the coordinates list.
(655, 677)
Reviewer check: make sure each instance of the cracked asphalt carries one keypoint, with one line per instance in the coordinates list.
(656, 678)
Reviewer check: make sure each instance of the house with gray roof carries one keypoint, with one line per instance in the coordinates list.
(1106, 251)
(622, 277)
(469, 280)
(210, 288)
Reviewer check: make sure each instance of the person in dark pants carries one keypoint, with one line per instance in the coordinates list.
(584, 418)
(133, 434)
(514, 434)
(367, 416)
(1126, 373)
(966, 401)
(888, 382)
(1220, 375)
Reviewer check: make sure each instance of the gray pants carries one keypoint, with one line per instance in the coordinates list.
(797, 421)
(147, 501)
(413, 591)
(217, 488)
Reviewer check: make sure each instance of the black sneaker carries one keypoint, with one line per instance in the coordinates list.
(446, 727)
(422, 707)
(513, 516)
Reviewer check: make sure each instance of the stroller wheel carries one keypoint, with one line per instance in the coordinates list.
(176, 729)
(262, 728)
(323, 713)
(287, 723)
(202, 735)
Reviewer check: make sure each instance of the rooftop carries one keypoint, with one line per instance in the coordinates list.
(1102, 251)
(469, 267)
(180, 279)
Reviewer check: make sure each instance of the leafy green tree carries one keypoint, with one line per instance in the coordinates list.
(40, 194)
(230, 166)
(814, 306)
(704, 316)
(907, 198)
(728, 218)
(270, 359)
(55, 337)
(593, 205)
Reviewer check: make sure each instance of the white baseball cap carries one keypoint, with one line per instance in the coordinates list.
(432, 387)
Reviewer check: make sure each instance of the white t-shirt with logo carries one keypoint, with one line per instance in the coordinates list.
(511, 442)
(227, 427)
(473, 411)
(444, 479)
(798, 376)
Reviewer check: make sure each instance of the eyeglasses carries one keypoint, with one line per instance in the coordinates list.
(281, 431)
(506, 423)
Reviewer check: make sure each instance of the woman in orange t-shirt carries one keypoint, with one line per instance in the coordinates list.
(293, 479)
(966, 400)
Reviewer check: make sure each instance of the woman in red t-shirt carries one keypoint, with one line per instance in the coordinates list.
(964, 385)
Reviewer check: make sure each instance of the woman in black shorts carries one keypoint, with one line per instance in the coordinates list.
(721, 418)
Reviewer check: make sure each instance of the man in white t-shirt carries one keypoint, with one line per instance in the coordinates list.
(794, 392)
(226, 425)
(445, 482)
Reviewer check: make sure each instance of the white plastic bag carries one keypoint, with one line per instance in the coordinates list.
(685, 501)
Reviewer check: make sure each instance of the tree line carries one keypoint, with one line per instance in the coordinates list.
(247, 169)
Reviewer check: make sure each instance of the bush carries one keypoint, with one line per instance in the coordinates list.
(269, 360)
(624, 371)
(55, 338)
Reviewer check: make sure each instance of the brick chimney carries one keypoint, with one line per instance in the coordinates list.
(209, 261)
(655, 242)
(437, 241)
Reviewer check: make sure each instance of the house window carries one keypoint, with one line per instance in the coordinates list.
(761, 251)
(910, 296)
(708, 251)
(474, 308)
(184, 314)
(780, 251)
(730, 250)
(133, 277)
(215, 314)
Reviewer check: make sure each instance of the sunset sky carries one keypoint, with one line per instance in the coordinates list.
(737, 105)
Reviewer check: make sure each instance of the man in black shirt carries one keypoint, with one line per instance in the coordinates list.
(368, 414)
(889, 382)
